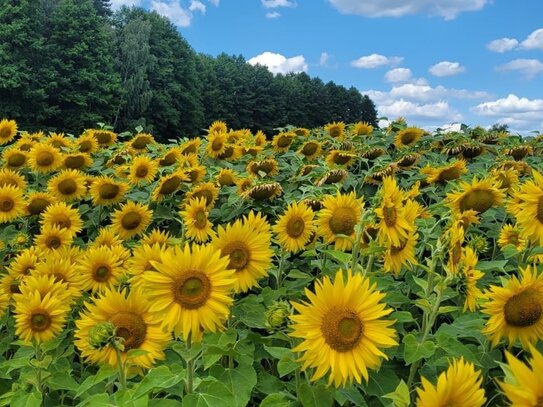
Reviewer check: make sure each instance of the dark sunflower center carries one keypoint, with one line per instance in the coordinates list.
(295, 226)
(14, 287)
(63, 222)
(103, 138)
(131, 220)
(6, 204)
(5, 132)
(284, 141)
(228, 152)
(217, 145)
(310, 148)
(519, 153)
(40, 321)
(142, 171)
(53, 242)
(108, 191)
(85, 146)
(37, 206)
(408, 137)
(102, 273)
(170, 185)
(407, 161)
(479, 200)
(390, 216)
(523, 309)
(16, 160)
(341, 159)
(238, 253)
(504, 181)
(343, 221)
(44, 158)
(394, 250)
(334, 131)
(74, 162)
(200, 219)
(189, 149)
(342, 329)
(192, 290)
(168, 159)
(456, 253)
(334, 176)
(131, 327)
(140, 143)
(539, 215)
(205, 194)
(266, 166)
(67, 186)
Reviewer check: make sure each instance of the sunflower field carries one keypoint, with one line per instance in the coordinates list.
(337, 266)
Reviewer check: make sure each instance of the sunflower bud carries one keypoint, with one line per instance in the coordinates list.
(277, 314)
(101, 334)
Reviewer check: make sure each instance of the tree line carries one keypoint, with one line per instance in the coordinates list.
(70, 64)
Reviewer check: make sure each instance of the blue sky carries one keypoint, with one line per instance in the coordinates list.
(436, 63)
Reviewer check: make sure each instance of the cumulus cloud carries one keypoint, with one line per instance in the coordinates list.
(278, 3)
(117, 4)
(375, 61)
(277, 63)
(446, 68)
(397, 75)
(518, 112)
(448, 9)
(528, 67)
(432, 112)
(196, 5)
(534, 40)
(173, 11)
(502, 44)
(273, 14)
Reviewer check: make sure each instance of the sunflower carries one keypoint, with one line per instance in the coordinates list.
(170, 157)
(408, 137)
(64, 216)
(311, 149)
(44, 284)
(362, 129)
(107, 237)
(86, 144)
(191, 289)
(338, 157)
(67, 185)
(244, 184)
(264, 191)
(12, 204)
(104, 137)
(260, 139)
(140, 141)
(520, 151)
(337, 220)
(76, 161)
(267, 167)
(258, 222)
(217, 127)
(58, 140)
(60, 265)
(8, 130)
(216, 144)
(396, 256)
(100, 269)
(343, 329)
(39, 319)
(511, 235)
(53, 238)
(335, 130)
(456, 237)
(527, 207)
(24, 262)
(231, 153)
(157, 236)
(142, 260)
(468, 280)
(478, 196)
(379, 174)
(282, 141)
(131, 219)
(294, 227)
(4, 302)
(191, 146)
(333, 176)
(44, 158)
(195, 173)
(460, 385)
(14, 158)
(373, 153)
(506, 178)
(248, 253)
(168, 185)
(208, 191)
(143, 169)
(446, 173)
(107, 191)
(25, 143)
(13, 178)
(196, 222)
(132, 319)
(37, 202)
(515, 309)
(227, 177)
(522, 384)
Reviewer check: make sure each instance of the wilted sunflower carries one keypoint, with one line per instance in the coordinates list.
(520, 151)
(515, 309)
(12, 204)
(8, 130)
(100, 269)
(131, 219)
(248, 253)
(282, 141)
(337, 219)
(227, 177)
(39, 319)
(76, 161)
(511, 235)
(311, 149)
(264, 191)
(44, 158)
(207, 190)
(407, 161)
(168, 185)
(333, 176)
(37, 202)
(104, 137)
(522, 384)
(86, 144)
(67, 185)
(468, 280)
(343, 329)
(339, 157)
(140, 141)
(335, 130)
(107, 191)
(195, 218)
(267, 167)
(216, 144)
(408, 137)
(191, 289)
(403, 254)
(460, 385)
(294, 227)
(15, 158)
(64, 216)
(362, 129)
(478, 196)
(373, 153)
(527, 206)
(142, 169)
(132, 320)
(377, 176)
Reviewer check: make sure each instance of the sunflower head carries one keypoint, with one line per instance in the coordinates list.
(15, 158)
(522, 385)
(264, 191)
(295, 227)
(106, 190)
(12, 204)
(282, 141)
(311, 149)
(408, 137)
(131, 219)
(104, 137)
(373, 153)
(67, 185)
(227, 177)
(267, 167)
(8, 130)
(143, 170)
(333, 176)
(335, 130)
(44, 158)
(76, 161)
(141, 140)
(479, 196)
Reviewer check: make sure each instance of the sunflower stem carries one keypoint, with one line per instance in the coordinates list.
(369, 266)
(121, 367)
(190, 368)
(39, 378)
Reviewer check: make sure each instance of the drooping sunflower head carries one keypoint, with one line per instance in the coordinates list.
(373, 153)
(168, 185)
(343, 320)
(471, 150)
(282, 141)
(131, 219)
(362, 129)
(44, 158)
(8, 130)
(479, 196)
(339, 157)
(294, 228)
(190, 146)
(335, 130)
(267, 167)
(227, 177)
(446, 173)
(264, 191)
(15, 158)
(143, 170)
(377, 176)
(407, 161)
(64, 216)
(408, 137)
(106, 190)
(195, 218)
(141, 140)
(333, 176)
(104, 137)
(216, 144)
(520, 151)
(12, 204)
(311, 149)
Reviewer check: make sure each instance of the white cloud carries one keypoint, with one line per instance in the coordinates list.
(534, 40)
(117, 4)
(324, 58)
(173, 10)
(518, 112)
(446, 68)
(277, 63)
(448, 9)
(433, 112)
(278, 3)
(398, 75)
(502, 44)
(215, 2)
(196, 5)
(273, 14)
(528, 67)
(375, 61)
